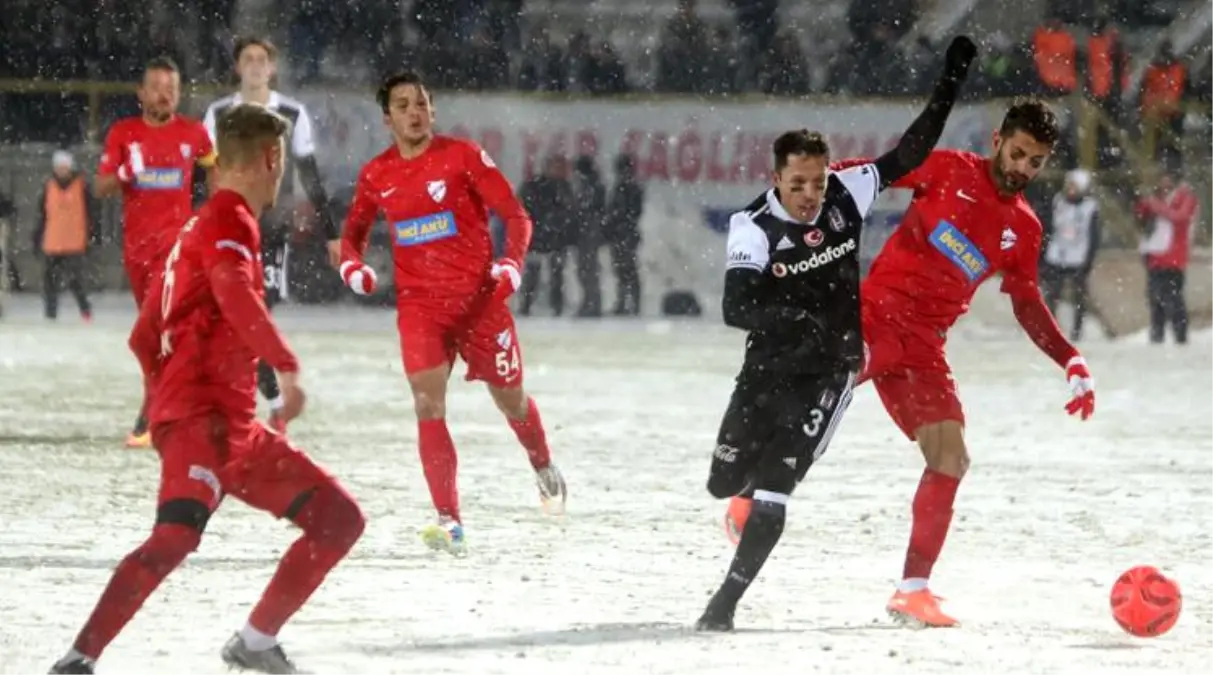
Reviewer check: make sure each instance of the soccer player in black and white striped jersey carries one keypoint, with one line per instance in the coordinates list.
(256, 61)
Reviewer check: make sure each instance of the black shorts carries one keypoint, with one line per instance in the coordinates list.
(773, 431)
(275, 231)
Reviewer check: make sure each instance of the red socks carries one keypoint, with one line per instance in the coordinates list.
(331, 523)
(532, 437)
(932, 517)
(439, 463)
(135, 578)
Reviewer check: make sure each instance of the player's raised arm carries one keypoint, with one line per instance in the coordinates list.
(114, 167)
(922, 135)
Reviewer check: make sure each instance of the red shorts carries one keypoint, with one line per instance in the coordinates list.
(910, 372)
(142, 274)
(202, 459)
(488, 343)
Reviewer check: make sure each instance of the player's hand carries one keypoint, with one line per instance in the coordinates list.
(508, 277)
(1082, 388)
(358, 276)
(293, 398)
(334, 249)
(961, 53)
(133, 165)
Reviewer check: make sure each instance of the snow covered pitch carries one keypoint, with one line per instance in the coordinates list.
(1053, 510)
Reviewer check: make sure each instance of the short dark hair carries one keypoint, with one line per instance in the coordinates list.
(247, 41)
(384, 95)
(799, 142)
(1033, 117)
(161, 63)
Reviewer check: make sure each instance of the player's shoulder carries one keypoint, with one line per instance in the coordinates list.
(220, 104)
(126, 126)
(957, 157)
(446, 143)
(289, 103)
(1025, 216)
(759, 206)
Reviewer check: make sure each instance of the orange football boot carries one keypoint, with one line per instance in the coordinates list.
(920, 609)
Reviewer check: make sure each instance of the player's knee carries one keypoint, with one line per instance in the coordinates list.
(768, 512)
(329, 515)
(189, 513)
(429, 406)
(944, 448)
(723, 486)
(167, 547)
(511, 402)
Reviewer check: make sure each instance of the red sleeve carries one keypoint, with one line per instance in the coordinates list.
(927, 173)
(1179, 209)
(229, 264)
(113, 153)
(497, 193)
(361, 216)
(1020, 281)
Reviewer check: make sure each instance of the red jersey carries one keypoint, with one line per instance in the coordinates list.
(159, 198)
(1171, 218)
(957, 232)
(203, 327)
(436, 206)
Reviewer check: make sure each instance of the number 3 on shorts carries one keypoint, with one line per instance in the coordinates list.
(508, 363)
(813, 427)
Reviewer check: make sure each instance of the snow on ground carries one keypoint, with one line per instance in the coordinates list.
(1053, 511)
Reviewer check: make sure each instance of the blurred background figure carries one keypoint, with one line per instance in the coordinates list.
(1073, 238)
(548, 197)
(589, 208)
(1167, 218)
(65, 227)
(621, 230)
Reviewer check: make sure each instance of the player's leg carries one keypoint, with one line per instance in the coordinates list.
(273, 255)
(924, 404)
(530, 283)
(427, 362)
(803, 419)
(189, 492)
(1082, 298)
(1156, 295)
(141, 275)
(491, 350)
(1178, 305)
(50, 287)
(556, 264)
(739, 444)
(76, 284)
(271, 475)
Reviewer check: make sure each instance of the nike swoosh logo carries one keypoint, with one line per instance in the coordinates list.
(386, 193)
(962, 195)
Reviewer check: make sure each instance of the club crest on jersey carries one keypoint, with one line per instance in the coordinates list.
(437, 190)
(957, 248)
(838, 223)
(814, 237)
(187, 151)
(425, 229)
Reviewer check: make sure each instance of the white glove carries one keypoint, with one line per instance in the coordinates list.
(358, 276)
(134, 164)
(507, 275)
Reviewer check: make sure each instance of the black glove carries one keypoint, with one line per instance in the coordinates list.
(961, 53)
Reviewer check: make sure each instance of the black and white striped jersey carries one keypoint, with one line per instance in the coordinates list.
(302, 142)
(794, 285)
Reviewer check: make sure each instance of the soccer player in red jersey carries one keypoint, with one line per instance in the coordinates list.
(149, 160)
(967, 222)
(198, 337)
(435, 192)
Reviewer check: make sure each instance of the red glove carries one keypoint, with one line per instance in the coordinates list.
(358, 276)
(1082, 388)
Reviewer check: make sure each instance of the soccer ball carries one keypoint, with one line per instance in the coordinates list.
(1145, 602)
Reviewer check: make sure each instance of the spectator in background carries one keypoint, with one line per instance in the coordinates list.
(1169, 216)
(549, 199)
(602, 70)
(589, 208)
(785, 73)
(7, 267)
(543, 66)
(680, 56)
(67, 218)
(621, 230)
(1073, 239)
(1162, 90)
(1056, 55)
